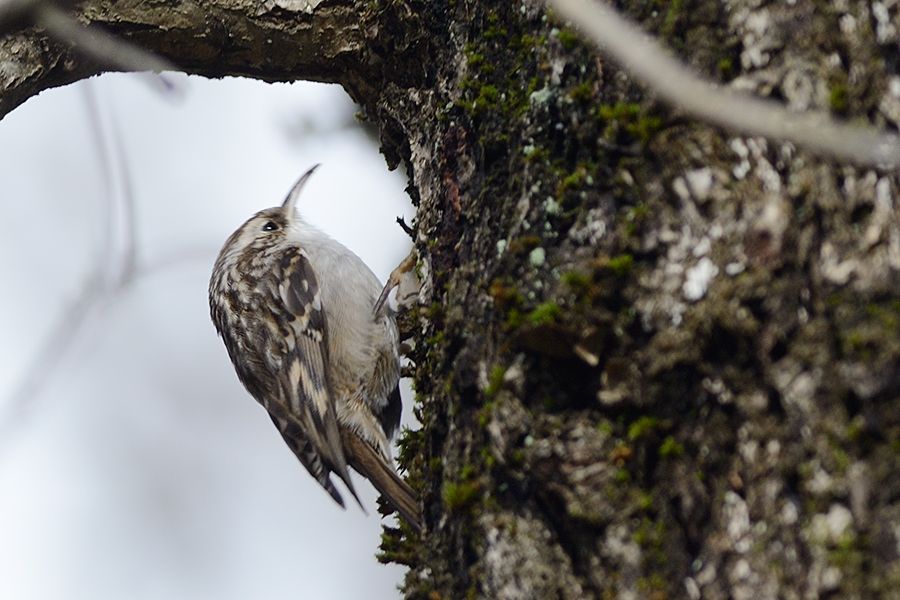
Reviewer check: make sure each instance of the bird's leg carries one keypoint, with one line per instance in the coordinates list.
(394, 280)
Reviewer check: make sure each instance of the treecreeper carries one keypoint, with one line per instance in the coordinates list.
(312, 340)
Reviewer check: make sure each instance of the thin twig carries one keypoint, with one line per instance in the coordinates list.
(406, 228)
(644, 59)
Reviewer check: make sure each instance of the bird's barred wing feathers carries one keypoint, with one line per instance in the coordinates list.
(307, 417)
(303, 449)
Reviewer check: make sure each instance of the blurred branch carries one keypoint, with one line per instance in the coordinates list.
(672, 81)
(120, 228)
(301, 127)
(15, 14)
(52, 351)
(104, 278)
(96, 44)
(129, 214)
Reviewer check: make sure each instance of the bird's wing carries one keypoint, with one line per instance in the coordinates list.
(306, 414)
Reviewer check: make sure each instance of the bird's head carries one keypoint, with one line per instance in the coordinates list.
(270, 226)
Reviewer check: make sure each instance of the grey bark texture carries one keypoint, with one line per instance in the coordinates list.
(652, 360)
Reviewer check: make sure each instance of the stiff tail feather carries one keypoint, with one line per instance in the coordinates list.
(371, 465)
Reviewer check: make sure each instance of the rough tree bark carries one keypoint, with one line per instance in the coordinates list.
(652, 360)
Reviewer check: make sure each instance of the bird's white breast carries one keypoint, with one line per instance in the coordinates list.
(348, 291)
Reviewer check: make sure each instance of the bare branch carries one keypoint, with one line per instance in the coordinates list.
(643, 58)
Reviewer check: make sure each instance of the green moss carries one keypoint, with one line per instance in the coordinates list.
(578, 281)
(467, 472)
(458, 496)
(725, 68)
(645, 533)
(627, 120)
(839, 457)
(495, 381)
(653, 586)
(583, 92)
(434, 311)
(505, 295)
(838, 97)
(529, 42)
(395, 549)
(868, 333)
(545, 314)
(514, 319)
(638, 212)
(487, 458)
(644, 128)
(887, 315)
(618, 111)
(409, 443)
(622, 476)
(535, 154)
(605, 427)
(671, 448)
(644, 501)
(568, 39)
(621, 265)
(436, 340)
(572, 181)
(478, 62)
(634, 217)
(643, 427)
(480, 98)
(848, 553)
(856, 428)
(673, 14)
(488, 95)
(495, 32)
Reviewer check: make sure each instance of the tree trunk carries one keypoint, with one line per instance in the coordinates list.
(651, 360)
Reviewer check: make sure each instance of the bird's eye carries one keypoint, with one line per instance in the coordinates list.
(270, 226)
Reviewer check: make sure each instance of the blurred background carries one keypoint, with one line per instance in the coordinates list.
(132, 462)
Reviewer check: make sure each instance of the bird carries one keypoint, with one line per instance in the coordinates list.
(312, 340)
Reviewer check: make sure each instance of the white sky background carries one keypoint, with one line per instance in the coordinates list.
(140, 468)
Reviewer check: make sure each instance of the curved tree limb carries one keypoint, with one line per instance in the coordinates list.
(214, 39)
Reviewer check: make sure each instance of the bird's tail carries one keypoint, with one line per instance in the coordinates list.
(372, 465)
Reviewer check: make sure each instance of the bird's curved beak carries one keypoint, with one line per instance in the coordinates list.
(290, 203)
